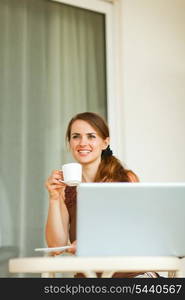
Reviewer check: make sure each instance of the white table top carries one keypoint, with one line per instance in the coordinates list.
(96, 264)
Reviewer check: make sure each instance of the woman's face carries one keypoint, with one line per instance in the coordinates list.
(85, 143)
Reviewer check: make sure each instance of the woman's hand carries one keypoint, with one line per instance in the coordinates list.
(73, 249)
(54, 186)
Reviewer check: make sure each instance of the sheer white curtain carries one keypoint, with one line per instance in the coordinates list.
(52, 66)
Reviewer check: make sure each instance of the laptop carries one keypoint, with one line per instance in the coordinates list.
(131, 219)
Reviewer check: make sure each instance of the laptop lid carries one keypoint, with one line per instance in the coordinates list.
(131, 219)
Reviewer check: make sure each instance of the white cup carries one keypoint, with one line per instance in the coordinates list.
(72, 173)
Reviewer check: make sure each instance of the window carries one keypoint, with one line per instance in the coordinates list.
(44, 80)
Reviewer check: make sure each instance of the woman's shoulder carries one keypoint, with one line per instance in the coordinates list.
(132, 176)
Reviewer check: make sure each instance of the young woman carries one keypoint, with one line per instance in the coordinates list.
(88, 138)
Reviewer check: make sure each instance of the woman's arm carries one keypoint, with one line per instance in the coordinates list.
(58, 219)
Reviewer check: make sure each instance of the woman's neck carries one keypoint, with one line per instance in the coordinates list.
(89, 171)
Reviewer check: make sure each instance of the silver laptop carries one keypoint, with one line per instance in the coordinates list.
(131, 219)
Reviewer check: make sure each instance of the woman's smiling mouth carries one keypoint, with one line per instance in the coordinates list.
(84, 152)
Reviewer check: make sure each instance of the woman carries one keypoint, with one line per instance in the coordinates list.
(88, 138)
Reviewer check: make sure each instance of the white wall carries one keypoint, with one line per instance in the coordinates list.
(152, 87)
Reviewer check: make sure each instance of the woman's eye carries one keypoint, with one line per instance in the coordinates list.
(75, 136)
(92, 136)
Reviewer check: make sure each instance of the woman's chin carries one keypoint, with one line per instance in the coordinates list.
(83, 160)
(82, 157)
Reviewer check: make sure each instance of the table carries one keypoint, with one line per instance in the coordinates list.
(48, 266)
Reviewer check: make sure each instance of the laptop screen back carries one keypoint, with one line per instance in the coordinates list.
(131, 219)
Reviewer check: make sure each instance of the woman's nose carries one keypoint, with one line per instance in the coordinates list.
(83, 141)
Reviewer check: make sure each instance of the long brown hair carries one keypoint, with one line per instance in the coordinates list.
(110, 168)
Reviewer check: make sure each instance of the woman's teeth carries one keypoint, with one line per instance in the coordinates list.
(84, 151)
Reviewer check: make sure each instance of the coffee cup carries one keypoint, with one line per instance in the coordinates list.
(72, 173)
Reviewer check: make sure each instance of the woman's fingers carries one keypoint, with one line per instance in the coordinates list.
(56, 186)
(55, 180)
(73, 248)
(57, 174)
(56, 253)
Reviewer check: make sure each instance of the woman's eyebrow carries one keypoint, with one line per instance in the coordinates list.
(76, 133)
(91, 133)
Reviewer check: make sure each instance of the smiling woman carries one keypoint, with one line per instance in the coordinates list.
(88, 138)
